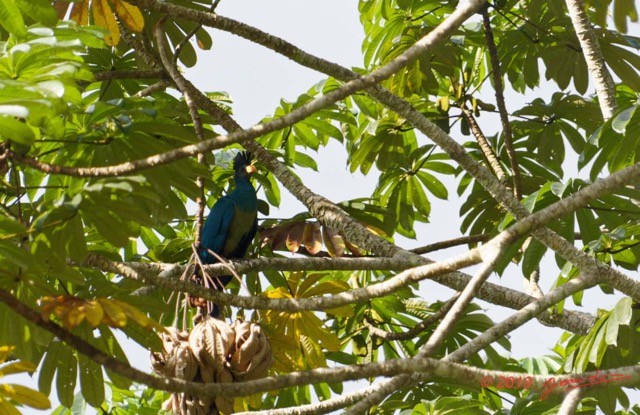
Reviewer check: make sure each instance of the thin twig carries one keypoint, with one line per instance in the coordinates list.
(487, 151)
(502, 108)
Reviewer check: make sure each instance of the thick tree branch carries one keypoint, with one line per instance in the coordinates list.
(387, 287)
(605, 87)
(570, 402)
(148, 273)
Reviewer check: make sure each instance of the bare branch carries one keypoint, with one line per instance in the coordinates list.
(471, 239)
(140, 74)
(570, 402)
(487, 151)
(605, 87)
(502, 108)
(464, 375)
(148, 273)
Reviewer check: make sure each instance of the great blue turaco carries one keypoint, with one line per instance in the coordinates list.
(232, 222)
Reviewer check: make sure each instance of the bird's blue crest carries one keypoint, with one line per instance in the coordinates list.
(242, 160)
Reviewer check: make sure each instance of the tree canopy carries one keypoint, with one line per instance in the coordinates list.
(110, 156)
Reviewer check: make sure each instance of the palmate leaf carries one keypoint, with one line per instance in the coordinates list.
(303, 333)
(608, 344)
(553, 123)
(104, 16)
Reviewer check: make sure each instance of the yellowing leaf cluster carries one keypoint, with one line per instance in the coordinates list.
(103, 16)
(71, 311)
(299, 338)
(10, 393)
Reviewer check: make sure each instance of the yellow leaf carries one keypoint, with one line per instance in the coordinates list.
(25, 396)
(94, 313)
(333, 242)
(312, 353)
(4, 352)
(342, 311)
(7, 409)
(138, 316)
(80, 13)
(130, 15)
(103, 17)
(17, 367)
(114, 314)
(312, 327)
(74, 316)
(278, 293)
(327, 287)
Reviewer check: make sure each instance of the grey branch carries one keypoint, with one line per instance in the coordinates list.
(605, 87)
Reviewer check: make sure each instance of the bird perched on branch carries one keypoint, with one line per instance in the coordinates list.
(232, 222)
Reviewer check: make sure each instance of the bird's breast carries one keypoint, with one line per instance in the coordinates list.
(240, 226)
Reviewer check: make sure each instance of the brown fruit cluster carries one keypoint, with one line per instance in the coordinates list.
(214, 352)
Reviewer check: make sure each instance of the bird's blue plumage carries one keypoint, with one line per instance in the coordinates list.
(232, 221)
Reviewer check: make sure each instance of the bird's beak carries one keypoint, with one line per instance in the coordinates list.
(251, 169)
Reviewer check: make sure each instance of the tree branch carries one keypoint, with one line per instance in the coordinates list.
(140, 74)
(502, 108)
(464, 375)
(570, 402)
(485, 147)
(147, 273)
(605, 87)
(463, 240)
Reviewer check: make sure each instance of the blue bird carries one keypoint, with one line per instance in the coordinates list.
(232, 222)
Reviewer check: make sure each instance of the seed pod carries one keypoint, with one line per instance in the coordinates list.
(252, 355)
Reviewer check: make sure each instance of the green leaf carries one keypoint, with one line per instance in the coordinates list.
(11, 18)
(66, 376)
(40, 10)
(48, 367)
(532, 256)
(12, 129)
(113, 348)
(91, 381)
(621, 120)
